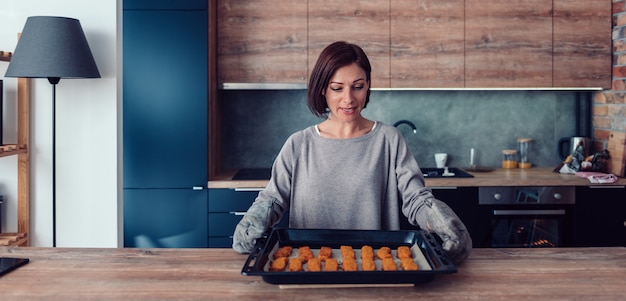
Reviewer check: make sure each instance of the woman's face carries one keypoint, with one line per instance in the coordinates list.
(346, 92)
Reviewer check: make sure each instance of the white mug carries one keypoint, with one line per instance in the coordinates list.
(440, 159)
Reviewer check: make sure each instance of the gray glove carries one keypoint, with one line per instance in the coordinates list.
(252, 226)
(435, 216)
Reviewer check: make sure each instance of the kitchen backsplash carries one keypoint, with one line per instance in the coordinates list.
(256, 123)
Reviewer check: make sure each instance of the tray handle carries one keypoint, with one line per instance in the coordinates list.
(438, 254)
(253, 258)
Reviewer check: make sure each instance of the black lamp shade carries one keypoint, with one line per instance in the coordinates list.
(52, 47)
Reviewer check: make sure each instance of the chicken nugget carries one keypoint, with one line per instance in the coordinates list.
(331, 265)
(279, 264)
(389, 264)
(404, 252)
(283, 252)
(384, 252)
(325, 253)
(347, 252)
(367, 252)
(314, 265)
(295, 265)
(305, 253)
(368, 264)
(349, 264)
(408, 264)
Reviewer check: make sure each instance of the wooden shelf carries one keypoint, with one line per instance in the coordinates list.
(12, 149)
(20, 149)
(13, 239)
(5, 56)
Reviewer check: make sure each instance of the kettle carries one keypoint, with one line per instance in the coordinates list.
(567, 146)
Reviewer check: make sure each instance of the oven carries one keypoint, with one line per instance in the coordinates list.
(528, 216)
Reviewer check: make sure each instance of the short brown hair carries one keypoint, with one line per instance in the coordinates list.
(333, 57)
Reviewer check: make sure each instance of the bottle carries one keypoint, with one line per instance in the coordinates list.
(509, 158)
(524, 152)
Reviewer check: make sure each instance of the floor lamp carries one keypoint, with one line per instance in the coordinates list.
(52, 48)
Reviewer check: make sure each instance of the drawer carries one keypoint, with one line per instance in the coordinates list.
(220, 242)
(230, 200)
(222, 224)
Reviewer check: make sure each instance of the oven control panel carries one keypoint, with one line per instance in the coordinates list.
(526, 195)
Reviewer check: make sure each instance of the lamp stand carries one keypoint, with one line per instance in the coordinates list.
(54, 81)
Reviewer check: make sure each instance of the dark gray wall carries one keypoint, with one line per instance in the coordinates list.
(256, 123)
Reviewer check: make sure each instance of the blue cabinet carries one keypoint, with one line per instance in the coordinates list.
(165, 218)
(165, 99)
(165, 123)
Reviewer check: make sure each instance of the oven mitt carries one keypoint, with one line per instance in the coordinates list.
(252, 226)
(435, 216)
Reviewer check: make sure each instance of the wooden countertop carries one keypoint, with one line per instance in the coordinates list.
(215, 274)
(536, 176)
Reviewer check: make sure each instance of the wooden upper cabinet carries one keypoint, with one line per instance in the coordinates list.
(582, 43)
(364, 22)
(427, 44)
(421, 43)
(508, 43)
(262, 41)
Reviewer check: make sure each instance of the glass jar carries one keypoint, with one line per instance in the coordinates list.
(524, 152)
(509, 158)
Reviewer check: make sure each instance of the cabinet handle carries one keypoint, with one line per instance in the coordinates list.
(249, 189)
(197, 188)
(529, 212)
(609, 187)
(237, 213)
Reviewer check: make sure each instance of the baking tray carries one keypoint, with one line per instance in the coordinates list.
(426, 250)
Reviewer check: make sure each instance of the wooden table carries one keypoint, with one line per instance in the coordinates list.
(215, 274)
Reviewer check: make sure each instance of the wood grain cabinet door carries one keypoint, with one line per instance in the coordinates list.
(582, 43)
(363, 22)
(508, 43)
(262, 41)
(427, 44)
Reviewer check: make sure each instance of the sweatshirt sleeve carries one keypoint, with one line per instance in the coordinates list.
(411, 186)
(278, 189)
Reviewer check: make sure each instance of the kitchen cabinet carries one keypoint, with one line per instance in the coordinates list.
(226, 207)
(165, 218)
(599, 216)
(582, 47)
(20, 149)
(508, 45)
(464, 202)
(262, 42)
(537, 43)
(425, 43)
(421, 56)
(364, 22)
(165, 133)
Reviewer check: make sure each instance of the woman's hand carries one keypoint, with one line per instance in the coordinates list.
(437, 217)
(252, 226)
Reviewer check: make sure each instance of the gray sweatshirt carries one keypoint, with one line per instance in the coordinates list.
(356, 183)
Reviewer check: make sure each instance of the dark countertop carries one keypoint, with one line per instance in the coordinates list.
(536, 176)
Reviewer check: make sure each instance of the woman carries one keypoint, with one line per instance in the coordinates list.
(348, 172)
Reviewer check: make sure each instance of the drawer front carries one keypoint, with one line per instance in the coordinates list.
(220, 242)
(222, 224)
(231, 200)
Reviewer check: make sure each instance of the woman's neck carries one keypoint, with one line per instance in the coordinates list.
(335, 129)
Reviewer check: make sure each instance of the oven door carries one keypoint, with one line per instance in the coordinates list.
(529, 227)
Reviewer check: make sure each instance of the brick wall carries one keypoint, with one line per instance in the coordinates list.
(609, 106)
